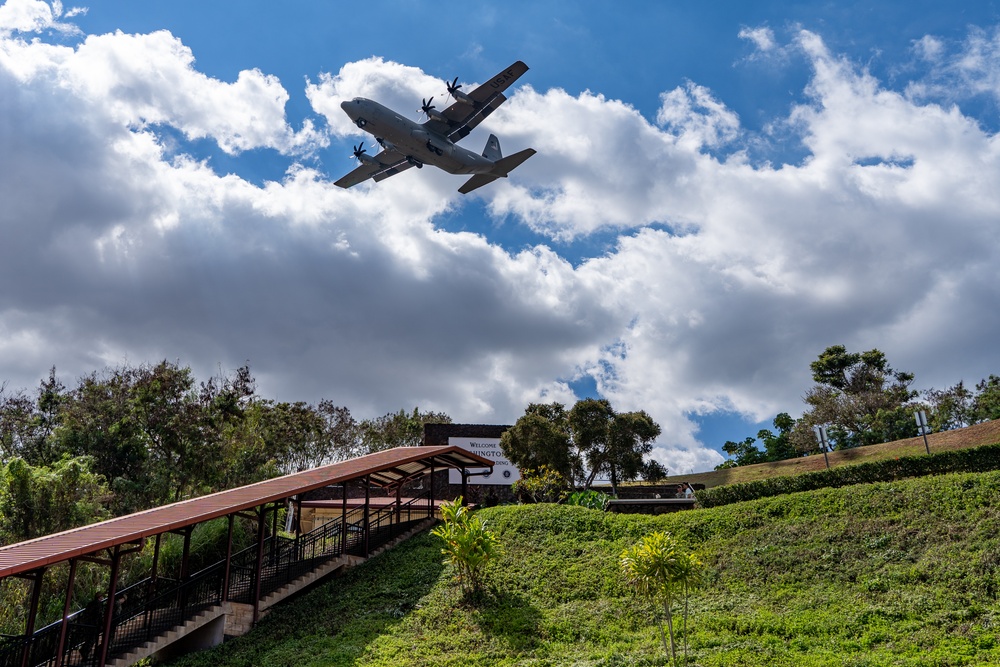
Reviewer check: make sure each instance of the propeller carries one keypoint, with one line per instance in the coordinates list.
(455, 90)
(426, 106)
(359, 150)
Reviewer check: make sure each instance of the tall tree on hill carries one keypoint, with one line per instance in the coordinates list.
(541, 438)
(862, 398)
(589, 440)
(612, 443)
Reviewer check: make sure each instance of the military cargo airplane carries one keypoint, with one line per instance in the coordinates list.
(406, 143)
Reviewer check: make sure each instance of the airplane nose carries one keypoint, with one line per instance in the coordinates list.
(344, 105)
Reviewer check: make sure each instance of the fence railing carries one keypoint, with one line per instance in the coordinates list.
(150, 607)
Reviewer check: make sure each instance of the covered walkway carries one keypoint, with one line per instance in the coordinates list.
(102, 632)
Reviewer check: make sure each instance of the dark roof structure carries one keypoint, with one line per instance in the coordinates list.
(388, 468)
(438, 434)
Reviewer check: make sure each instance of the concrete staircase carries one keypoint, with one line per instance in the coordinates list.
(231, 619)
(202, 631)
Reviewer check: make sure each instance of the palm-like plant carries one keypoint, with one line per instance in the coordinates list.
(659, 570)
(468, 543)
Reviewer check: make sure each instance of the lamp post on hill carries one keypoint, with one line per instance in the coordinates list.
(824, 443)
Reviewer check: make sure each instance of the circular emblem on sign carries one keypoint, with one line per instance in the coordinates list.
(506, 473)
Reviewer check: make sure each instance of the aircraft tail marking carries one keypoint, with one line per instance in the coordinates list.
(492, 150)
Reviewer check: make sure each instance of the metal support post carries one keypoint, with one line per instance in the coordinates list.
(260, 564)
(229, 557)
(61, 646)
(368, 497)
(343, 522)
(399, 490)
(36, 591)
(152, 585)
(430, 494)
(109, 613)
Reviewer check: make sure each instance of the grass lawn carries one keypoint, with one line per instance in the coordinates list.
(902, 573)
(987, 433)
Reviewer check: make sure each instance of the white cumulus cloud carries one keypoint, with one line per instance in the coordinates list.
(725, 279)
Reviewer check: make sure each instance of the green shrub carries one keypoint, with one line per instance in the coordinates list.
(468, 543)
(541, 485)
(590, 499)
(658, 569)
(977, 459)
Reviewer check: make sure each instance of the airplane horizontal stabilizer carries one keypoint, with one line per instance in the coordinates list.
(508, 164)
(502, 167)
(477, 181)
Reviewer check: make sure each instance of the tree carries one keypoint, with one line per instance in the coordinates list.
(181, 444)
(986, 405)
(39, 500)
(611, 442)
(397, 429)
(341, 437)
(950, 408)
(541, 438)
(97, 420)
(742, 453)
(653, 471)
(860, 396)
(580, 444)
(658, 569)
(776, 447)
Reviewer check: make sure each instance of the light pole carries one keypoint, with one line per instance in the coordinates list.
(824, 443)
(922, 426)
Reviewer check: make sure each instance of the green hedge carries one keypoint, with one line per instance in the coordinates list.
(978, 459)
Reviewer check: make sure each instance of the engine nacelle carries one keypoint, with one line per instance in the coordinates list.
(434, 114)
(461, 97)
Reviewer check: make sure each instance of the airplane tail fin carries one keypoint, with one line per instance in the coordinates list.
(502, 167)
(492, 150)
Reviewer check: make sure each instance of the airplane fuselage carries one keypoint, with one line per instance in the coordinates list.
(413, 139)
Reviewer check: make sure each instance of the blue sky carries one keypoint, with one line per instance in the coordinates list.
(721, 191)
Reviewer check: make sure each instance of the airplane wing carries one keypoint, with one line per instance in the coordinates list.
(464, 117)
(389, 163)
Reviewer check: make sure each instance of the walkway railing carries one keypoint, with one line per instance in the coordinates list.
(150, 607)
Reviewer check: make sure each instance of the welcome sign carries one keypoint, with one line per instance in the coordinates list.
(504, 472)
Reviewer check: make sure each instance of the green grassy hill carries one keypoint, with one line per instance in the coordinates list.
(987, 433)
(903, 573)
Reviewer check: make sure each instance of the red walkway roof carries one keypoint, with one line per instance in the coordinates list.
(387, 468)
